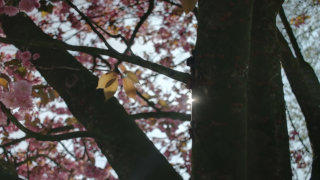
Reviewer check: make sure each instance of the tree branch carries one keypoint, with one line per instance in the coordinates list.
(296, 130)
(176, 75)
(41, 155)
(54, 130)
(40, 136)
(306, 87)
(15, 141)
(173, 3)
(67, 150)
(142, 20)
(128, 149)
(89, 22)
(151, 104)
(292, 38)
(171, 115)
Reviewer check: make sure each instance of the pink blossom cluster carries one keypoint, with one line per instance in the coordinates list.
(92, 171)
(8, 10)
(75, 23)
(26, 56)
(19, 96)
(24, 5)
(28, 5)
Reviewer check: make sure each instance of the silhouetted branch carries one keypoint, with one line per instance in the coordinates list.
(292, 38)
(176, 75)
(89, 22)
(171, 115)
(142, 20)
(296, 130)
(40, 136)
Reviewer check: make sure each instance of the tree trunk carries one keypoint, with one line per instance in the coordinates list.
(219, 90)
(129, 151)
(8, 170)
(305, 86)
(268, 143)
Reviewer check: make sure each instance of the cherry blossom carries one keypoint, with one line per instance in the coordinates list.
(35, 56)
(29, 5)
(19, 96)
(25, 56)
(9, 10)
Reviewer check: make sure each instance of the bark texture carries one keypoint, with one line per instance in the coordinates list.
(129, 151)
(268, 143)
(8, 170)
(219, 90)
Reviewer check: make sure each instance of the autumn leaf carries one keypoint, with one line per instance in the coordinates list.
(146, 95)
(129, 88)
(162, 103)
(105, 78)
(71, 121)
(109, 83)
(132, 76)
(110, 90)
(188, 5)
(3, 82)
(122, 68)
(44, 14)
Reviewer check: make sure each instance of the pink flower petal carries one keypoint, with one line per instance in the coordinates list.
(35, 56)
(10, 10)
(27, 5)
(25, 56)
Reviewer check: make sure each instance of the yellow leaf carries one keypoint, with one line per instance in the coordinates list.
(111, 88)
(129, 87)
(44, 13)
(29, 163)
(163, 103)
(188, 5)
(132, 76)
(3, 82)
(105, 78)
(122, 68)
(146, 95)
(138, 72)
(71, 121)
(153, 121)
(109, 83)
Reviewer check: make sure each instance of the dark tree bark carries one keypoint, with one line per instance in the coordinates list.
(268, 142)
(129, 151)
(8, 170)
(219, 90)
(305, 86)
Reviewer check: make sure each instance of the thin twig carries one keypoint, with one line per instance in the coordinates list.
(295, 129)
(151, 104)
(39, 136)
(89, 22)
(142, 20)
